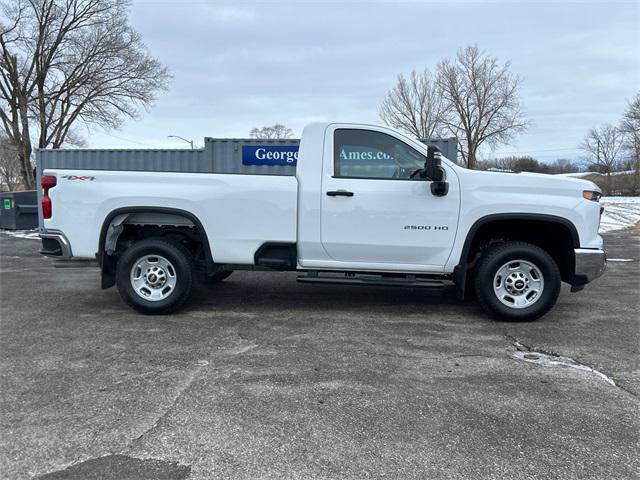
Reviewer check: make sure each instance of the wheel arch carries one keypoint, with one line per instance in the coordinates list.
(108, 262)
(505, 222)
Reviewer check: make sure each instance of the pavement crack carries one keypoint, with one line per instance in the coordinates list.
(547, 358)
(183, 389)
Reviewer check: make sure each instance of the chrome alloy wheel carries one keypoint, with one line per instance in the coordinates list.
(153, 278)
(518, 284)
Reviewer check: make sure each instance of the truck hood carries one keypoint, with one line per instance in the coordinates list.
(529, 182)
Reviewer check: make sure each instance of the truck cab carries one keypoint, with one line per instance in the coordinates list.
(358, 204)
(365, 202)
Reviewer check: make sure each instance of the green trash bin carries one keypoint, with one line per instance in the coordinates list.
(19, 210)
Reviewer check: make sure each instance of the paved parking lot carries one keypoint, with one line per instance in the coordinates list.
(262, 377)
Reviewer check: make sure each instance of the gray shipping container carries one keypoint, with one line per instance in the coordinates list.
(219, 155)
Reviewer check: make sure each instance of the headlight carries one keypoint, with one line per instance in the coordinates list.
(591, 195)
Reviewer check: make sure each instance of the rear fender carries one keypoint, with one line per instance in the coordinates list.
(113, 226)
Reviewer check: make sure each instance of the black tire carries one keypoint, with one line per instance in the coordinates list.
(216, 277)
(494, 259)
(182, 266)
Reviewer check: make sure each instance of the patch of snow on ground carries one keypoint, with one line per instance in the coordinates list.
(619, 213)
(30, 234)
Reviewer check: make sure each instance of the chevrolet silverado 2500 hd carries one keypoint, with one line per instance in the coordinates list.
(355, 204)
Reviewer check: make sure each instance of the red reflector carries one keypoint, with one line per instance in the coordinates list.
(47, 182)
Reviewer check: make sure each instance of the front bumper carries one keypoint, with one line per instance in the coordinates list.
(590, 264)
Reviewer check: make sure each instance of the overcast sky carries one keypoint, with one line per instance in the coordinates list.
(243, 64)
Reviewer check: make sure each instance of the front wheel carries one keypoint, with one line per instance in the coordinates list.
(517, 281)
(155, 276)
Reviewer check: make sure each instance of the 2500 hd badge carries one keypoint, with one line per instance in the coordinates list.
(426, 227)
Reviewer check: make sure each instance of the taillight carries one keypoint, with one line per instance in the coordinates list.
(47, 182)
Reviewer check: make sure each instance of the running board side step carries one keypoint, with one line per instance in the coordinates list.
(352, 279)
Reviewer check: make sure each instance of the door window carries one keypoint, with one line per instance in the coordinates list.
(376, 155)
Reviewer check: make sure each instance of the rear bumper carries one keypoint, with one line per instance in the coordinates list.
(55, 245)
(590, 264)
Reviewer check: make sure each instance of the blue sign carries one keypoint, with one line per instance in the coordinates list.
(270, 155)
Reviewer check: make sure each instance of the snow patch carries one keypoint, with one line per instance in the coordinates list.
(29, 234)
(619, 213)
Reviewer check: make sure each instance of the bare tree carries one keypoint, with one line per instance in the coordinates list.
(275, 131)
(630, 126)
(603, 147)
(528, 164)
(69, 61)
(563, 165)
(414, 105)
(514, 164)
(9, 164)
(481, 98)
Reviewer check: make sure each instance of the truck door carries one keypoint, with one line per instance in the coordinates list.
(373, 212)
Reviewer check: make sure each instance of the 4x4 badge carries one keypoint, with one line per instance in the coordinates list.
(78, 177)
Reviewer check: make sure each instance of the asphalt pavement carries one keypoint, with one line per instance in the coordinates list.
(262, 377)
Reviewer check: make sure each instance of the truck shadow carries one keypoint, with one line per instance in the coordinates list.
(266, 291)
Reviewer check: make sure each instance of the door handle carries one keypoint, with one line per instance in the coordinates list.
(339, 193)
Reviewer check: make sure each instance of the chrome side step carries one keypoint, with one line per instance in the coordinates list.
(380, 281)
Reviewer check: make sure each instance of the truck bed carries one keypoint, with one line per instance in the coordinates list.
(238, 212)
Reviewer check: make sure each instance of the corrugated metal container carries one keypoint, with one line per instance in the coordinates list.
(219, 155)
(227, 155)
(447, 146)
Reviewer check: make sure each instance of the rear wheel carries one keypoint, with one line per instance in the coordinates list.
(517, 281)
(155, 276)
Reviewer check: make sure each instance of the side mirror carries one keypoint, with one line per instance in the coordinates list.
(434, 171)
(432, 168)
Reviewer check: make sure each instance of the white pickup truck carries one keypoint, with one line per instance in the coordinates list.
(366, 205)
